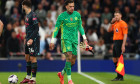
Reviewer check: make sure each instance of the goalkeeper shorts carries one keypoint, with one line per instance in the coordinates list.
(69, 46)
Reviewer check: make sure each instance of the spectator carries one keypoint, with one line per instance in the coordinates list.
(60, 7)
(84, 5)
(100, 48)
(42, 39)
(132, 29)
(108, 3)
(49, 30)
(7, 32)
(138, 44)
(48, 17)
(41, 13)
(106, 15)
(16, 5)
(21, 36)
(92, 17)
(137, 13)
(105, 24)
(121, 5)
(92, 37)
(132, 6)
(53, 13)
(45, 4)
(45, 23)
(126, 13)
(22, 26)
(8, 5)
(13, 44)
(16, 26)
(15, 16)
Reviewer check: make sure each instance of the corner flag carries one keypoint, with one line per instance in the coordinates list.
(120, 66)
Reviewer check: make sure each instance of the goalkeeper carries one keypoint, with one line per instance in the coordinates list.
(70, 23)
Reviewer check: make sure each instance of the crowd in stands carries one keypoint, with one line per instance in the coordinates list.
(96, 16)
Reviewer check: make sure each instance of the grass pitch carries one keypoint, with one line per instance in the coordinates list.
(52, 78)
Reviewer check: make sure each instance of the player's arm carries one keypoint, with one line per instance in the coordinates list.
(1, 27)
(35, 32)
(55, 32)
(81, 29)
(85, 44)
(125, 31)
(110, 28)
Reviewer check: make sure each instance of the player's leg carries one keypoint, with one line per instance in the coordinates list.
(34, 51)
(116, 55)
(72, 63)
(74, 53)
(68, 64)
(28, 66)
(33, 67)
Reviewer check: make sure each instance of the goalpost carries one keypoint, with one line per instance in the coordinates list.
(78, 55)
(79, 64)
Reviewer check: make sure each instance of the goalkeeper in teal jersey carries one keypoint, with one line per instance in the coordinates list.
(70, 23)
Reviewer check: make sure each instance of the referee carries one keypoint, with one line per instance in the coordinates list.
(120, 30)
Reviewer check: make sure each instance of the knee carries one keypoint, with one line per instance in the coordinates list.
(33, 59)
(72, 62)
(27, 58)
(115, 60)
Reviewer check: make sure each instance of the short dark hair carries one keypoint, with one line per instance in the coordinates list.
(68, 1)
(118, 12)
(27, 3)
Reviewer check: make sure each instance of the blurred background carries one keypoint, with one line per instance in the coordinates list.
(96, 16)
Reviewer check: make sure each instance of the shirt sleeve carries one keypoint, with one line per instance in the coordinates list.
(112, 26)
(80, 27)
(57, 26)
(124, 27)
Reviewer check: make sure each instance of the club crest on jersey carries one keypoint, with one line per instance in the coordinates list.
(117, 30)
(71, 19)
(27, 19)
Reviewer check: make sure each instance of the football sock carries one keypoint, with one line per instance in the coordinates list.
(68, 70)
(33, 78)
(34, 69)
(115, 64)
(69, 77)
(28, 66)
(118, 75)
(63, 71)
(28, 76)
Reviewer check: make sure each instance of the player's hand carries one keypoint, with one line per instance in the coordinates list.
(113, 20)
(24, 41)
(51, 46)
(123, 48)
(30, 41)
(84, 45)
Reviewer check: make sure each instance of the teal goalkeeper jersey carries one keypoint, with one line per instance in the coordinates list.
(70, 24)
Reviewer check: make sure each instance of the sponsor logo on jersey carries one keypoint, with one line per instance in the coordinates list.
(71, 19)
(27, 19)
(34, 18)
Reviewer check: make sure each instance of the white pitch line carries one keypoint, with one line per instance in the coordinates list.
(92, 78)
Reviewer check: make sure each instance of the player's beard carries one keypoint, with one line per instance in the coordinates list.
(23, 11)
